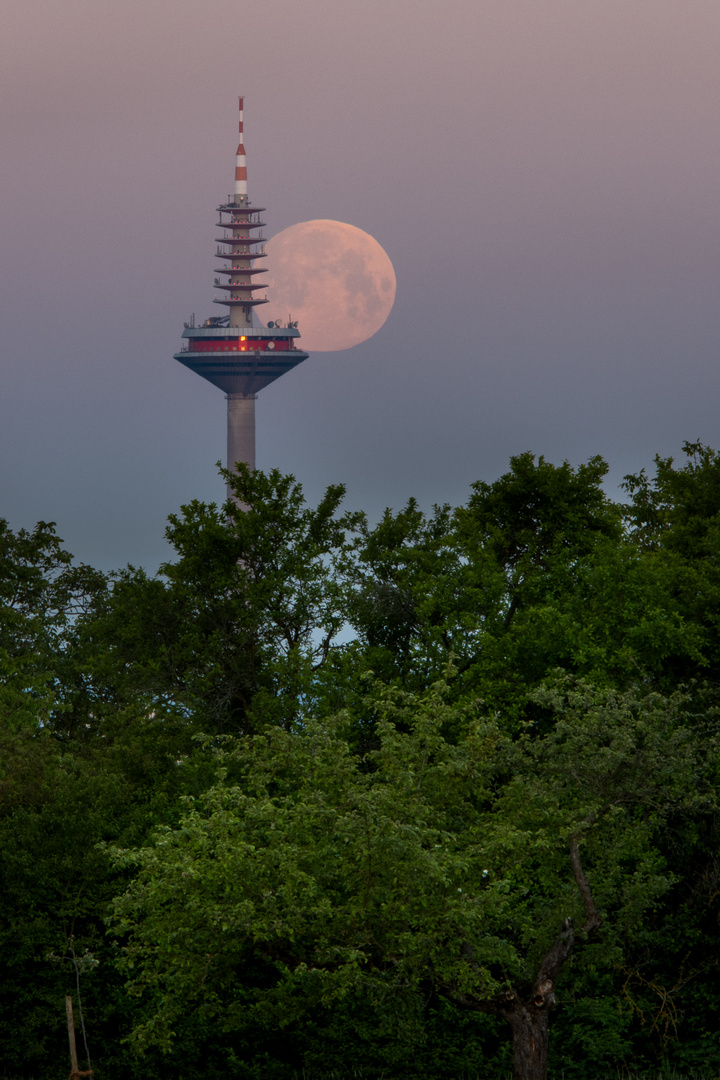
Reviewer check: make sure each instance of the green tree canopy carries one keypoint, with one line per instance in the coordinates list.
(236, 627)
(427, 866)
(372, 863)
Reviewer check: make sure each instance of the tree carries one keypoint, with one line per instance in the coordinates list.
(75, 769)
(535, 572)
(235, 630)
(674, 520)
(452, 869)
(41, 594)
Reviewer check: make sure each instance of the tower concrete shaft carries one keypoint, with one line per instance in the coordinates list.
(241, 430)
(229, 350)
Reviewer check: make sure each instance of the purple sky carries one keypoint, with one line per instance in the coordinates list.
(544, 174)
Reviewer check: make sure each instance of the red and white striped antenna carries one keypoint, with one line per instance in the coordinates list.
(240, 165)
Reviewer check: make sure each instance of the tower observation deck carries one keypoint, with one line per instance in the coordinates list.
(228, 350)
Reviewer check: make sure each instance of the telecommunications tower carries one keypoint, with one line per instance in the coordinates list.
(228, 350)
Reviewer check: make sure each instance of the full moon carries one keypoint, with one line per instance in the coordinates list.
(331, 278)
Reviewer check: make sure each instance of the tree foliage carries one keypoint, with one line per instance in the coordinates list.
(428, 867)
(378, 795)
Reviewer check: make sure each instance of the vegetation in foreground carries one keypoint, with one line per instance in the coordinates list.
(432, 798)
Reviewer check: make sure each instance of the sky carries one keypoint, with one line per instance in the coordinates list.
(544, 175)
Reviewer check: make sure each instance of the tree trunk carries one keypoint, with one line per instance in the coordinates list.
(530, 1041)
(529, 1019)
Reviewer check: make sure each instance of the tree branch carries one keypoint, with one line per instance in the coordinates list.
(544, 988)
(495, 1006)
(593, 919)
(543, 991)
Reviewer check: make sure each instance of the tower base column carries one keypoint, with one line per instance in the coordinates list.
(240, 431)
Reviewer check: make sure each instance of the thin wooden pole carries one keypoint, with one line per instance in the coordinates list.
(71, 1033)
